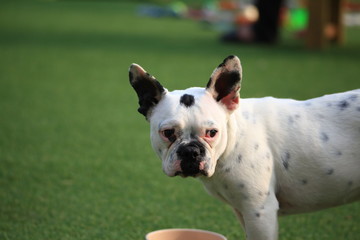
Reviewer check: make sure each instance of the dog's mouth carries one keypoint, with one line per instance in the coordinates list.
(194, 175)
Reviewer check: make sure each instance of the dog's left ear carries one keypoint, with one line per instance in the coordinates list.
(225, 83)
(148, 89)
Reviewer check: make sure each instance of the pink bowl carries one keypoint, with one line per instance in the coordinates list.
(183, 234)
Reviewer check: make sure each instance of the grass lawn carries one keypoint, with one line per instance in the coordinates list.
(75, 156)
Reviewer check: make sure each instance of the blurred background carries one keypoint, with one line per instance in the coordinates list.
(75, 156)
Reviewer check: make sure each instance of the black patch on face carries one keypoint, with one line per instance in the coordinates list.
(343, 105)
(226, 83)
(187, 100)
(191, 155)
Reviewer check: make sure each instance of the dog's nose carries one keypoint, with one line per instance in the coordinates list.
(189, 153)
(191, 156)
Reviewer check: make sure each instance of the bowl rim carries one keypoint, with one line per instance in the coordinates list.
(185, 229)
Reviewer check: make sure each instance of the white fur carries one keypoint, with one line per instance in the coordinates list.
(272, 155)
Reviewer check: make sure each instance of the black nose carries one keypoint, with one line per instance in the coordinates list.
(191, 155)
(188, 153)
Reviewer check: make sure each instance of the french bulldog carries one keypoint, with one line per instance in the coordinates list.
(264, 156)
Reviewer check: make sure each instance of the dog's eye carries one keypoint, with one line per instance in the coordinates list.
(169, 134)
(211, 133)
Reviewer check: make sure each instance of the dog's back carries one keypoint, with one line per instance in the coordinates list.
(315, 145)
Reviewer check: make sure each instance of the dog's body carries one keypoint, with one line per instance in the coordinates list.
(265, 156)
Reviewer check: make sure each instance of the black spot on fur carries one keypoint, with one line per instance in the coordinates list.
(350, 183)
(241, 185)
(239, 158)
(304, 182)
(285, 160)
(324, 137)
(187, 100)
(358, 108)
(353, 97)
(227, 170)
(290, 119)
(257, 214)
(256, 146)
(330, 171)
(343, 105)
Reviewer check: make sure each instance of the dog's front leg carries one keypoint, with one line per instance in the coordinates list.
(260, 221)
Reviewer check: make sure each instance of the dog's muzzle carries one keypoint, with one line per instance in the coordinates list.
(192, 158)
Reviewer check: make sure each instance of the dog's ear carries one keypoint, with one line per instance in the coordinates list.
(148, 89)
(225, 82)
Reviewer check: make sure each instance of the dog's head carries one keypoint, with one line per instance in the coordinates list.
(189, 127)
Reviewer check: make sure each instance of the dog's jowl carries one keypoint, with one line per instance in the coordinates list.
(265, 157)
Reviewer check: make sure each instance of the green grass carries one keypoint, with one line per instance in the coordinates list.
(75, 157)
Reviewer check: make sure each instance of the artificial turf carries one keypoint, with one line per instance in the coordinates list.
(75, 156)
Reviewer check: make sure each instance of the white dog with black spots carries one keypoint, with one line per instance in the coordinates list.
(265, 157)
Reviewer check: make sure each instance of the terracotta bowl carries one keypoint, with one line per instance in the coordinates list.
(183, 234)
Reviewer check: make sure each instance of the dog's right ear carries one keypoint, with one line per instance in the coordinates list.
(148, 89)
(225, 83)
